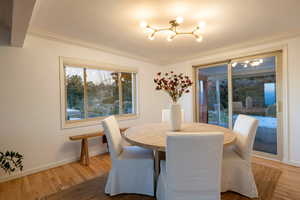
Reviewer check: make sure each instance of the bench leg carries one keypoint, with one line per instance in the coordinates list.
(87, 157)
(82, 153)
(84, 157)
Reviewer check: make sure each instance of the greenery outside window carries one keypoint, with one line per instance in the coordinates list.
(93, 92)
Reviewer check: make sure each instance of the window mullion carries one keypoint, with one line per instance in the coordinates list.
(133, 89)
(230, 98)
(120, 93)
(85, 95)
(66, 94)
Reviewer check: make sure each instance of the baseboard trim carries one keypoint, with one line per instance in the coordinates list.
(290, 162)
(293, 163)
(268, 158)
(45, 167)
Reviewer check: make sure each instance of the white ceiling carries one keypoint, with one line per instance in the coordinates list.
(114, 24)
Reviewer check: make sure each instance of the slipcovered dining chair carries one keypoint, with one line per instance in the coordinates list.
(166, 115)
(132, 167)
(192, 169)
(237, 173)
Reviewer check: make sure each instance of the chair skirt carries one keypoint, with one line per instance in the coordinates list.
(237, 175)
(132, 173)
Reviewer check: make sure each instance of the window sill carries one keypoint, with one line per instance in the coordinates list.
(95, 121)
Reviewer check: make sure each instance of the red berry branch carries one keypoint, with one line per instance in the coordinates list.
(174, 84)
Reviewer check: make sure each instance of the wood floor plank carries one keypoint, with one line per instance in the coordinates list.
(34, 186)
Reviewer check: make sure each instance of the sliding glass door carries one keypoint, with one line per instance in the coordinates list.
(249, 86)
(213, 95)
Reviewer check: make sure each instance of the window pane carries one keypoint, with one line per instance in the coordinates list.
(74, 86)
(254, 93)
(102, 93)
(213, 95)
(127, 80)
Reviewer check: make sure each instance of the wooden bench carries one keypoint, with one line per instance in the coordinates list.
(84, 156)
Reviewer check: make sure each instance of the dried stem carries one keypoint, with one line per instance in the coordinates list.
(174, 84)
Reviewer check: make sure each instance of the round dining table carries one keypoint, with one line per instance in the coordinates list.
(153, 136)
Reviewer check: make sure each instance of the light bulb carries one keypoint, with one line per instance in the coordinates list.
(143, 24)
(234, 64)
(151, 36)
(202, 25)
(256, 63)
(261, 60)
(199, 38)
(148, 30)
(171, 37)
(179, 19)
(247, 61)
(199, 31)
(246, 65)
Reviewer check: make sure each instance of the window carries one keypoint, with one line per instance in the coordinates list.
(92, 92)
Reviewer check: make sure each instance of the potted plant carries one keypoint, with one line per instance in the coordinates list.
(10, 161)
(175, 85)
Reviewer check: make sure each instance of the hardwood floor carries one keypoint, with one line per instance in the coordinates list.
(50, 181)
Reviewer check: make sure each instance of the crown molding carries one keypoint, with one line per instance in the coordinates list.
(69, 40)
(252, 43)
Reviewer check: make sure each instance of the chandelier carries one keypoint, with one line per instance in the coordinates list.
(172, 30)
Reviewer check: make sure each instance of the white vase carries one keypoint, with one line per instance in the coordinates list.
(175, 118)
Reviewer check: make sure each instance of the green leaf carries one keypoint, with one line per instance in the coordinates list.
(10, 161)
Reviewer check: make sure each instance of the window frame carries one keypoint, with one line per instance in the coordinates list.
(86, 64)
(278, 54)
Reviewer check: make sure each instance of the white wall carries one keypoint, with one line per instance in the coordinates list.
(30, 101)
(294, 100)
(291, 85)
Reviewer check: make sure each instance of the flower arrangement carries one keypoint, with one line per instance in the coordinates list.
(174, 84)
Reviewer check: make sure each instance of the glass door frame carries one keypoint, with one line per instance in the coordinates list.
(279, 93)
(197, 90)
